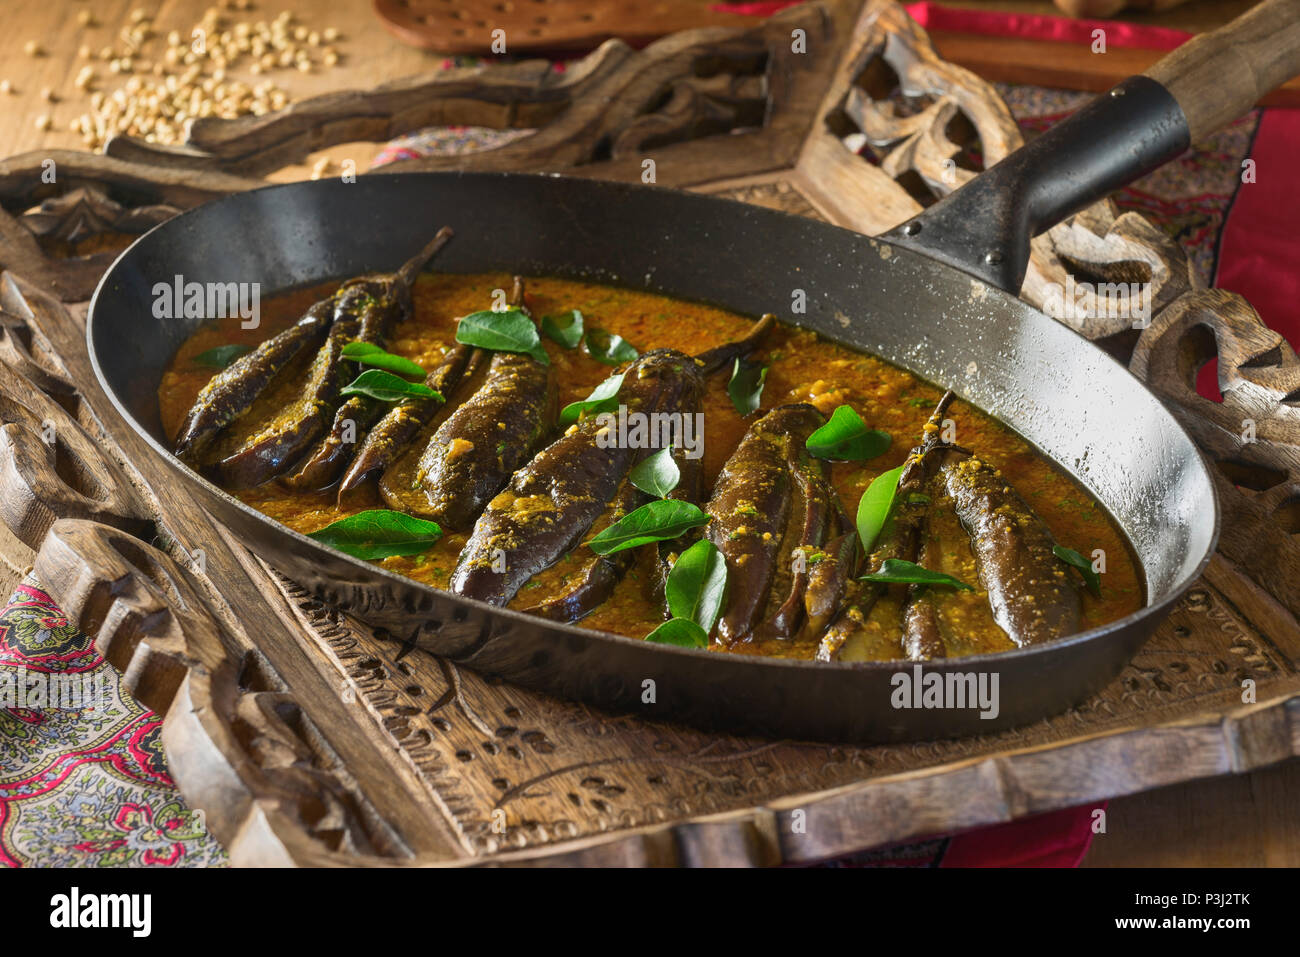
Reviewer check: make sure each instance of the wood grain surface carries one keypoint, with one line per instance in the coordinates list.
(369, 55)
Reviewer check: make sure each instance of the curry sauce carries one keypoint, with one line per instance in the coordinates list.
(802, 368)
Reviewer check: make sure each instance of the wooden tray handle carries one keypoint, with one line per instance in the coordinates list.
(1220, 75)
(51, 468)
(130, 598)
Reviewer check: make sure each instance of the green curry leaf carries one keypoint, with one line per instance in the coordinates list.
(369, 354)
(846, 438)
(604, 346)
(566, 330)
(221, 356)
(1071, 557)
(656, 474)
(652, 522)
(697, 584)
(507, 331)
(603, 398)
(895, 570)
(681, 632)
(387, 387)
(379, 533)
(875, 505)
(746, 386)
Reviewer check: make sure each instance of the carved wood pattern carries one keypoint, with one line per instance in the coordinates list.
(312, 739)
(928, 126)
(560, 771)
(1252, 436)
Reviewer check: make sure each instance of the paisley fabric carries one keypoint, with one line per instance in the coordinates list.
(82, 786)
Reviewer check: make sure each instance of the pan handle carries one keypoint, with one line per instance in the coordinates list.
(984, 227)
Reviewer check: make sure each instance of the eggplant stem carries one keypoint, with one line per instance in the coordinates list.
(413, 266)
(714, 359)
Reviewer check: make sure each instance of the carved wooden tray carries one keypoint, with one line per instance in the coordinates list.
(308, 738)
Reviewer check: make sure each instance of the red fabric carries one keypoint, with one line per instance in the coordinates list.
(1259, 249)
(1055, 839)
(935, 16)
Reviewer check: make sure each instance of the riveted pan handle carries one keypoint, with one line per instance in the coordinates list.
(984, 228)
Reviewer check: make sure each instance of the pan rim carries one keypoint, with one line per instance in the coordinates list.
(1153, 609)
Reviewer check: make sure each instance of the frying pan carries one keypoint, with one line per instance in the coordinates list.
(936, 297)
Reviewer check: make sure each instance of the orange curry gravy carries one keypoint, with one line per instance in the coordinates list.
(803, 368)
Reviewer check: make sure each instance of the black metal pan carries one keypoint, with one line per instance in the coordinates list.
(935, 297)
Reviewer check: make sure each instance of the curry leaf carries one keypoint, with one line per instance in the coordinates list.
(567, 331)
(387, 387)
(746, 386)
(507, 331)
(652, 522)
(1071, 557)
(608, 348)
(681, 632)
(897, 570)
(602, 399)
(379, 533)
(221, 356)
(369, 354)
(697, 583)
(846, 438)
(656, 474)
(875, 505)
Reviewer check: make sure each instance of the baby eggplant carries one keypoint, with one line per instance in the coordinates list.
(1033, 596)
(551, 503)
(360, 308)
(475, 450)
(749, 508)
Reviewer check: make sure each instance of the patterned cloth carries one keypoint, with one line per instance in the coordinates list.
(81, 786)
(88, 785)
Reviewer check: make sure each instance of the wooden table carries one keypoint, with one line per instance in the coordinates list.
(1243, 820)
(369, 55)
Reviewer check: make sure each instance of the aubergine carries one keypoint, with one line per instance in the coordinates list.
(901, 538)
(1032, 594)
(600, 574)
(749, 509)
(922, 630)
(378, 302)
(404, 420)
(812, 518)
(231, 392)
(496, 430)
(360, 307)
(551, 503)
(285, 438)
(831, 572)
